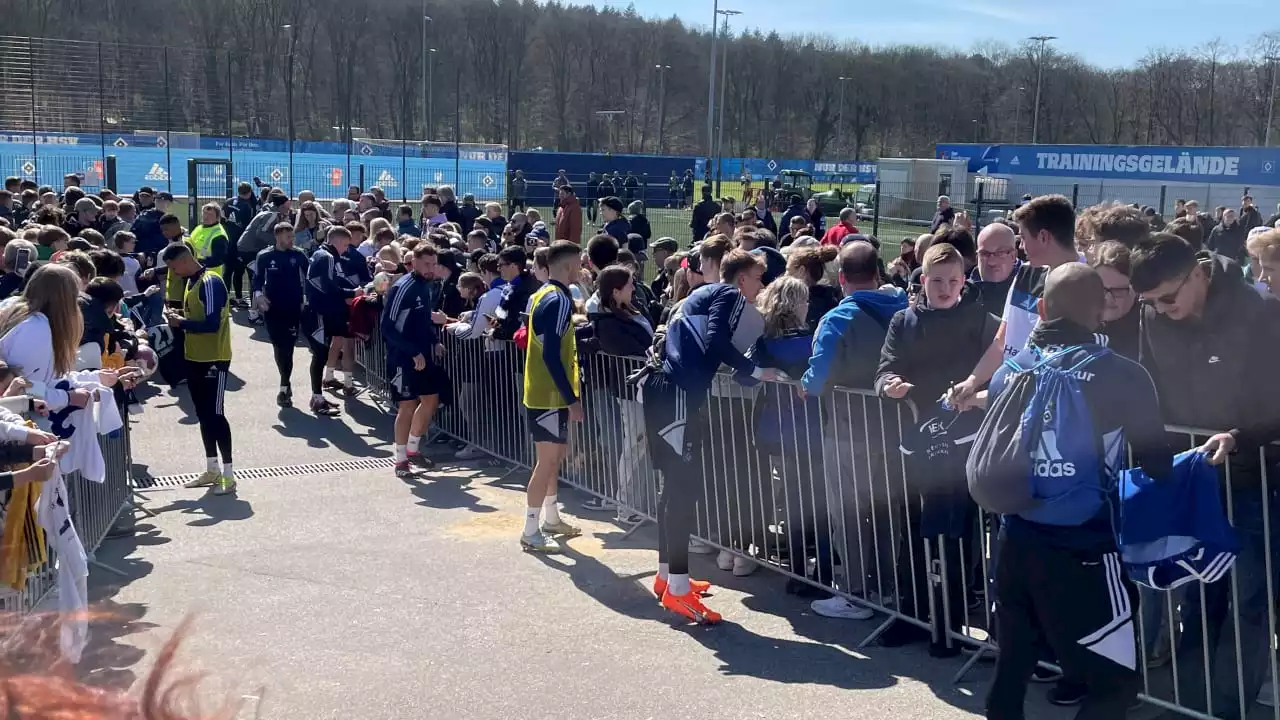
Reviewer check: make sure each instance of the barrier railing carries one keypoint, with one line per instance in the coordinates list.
(94, 509)
(816, 490)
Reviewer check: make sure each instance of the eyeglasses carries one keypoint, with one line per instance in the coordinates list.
(993, 254)
(1118, 293)
(1170, 298)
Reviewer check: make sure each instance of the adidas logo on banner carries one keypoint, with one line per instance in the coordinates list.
(157, 173)
(387, 180)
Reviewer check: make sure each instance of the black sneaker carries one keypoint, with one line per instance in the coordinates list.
(1067, 693)
(1043, 674)
(334, 384)
(284, 399)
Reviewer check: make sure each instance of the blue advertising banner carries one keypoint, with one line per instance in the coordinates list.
(768, 168)
(1243, 166)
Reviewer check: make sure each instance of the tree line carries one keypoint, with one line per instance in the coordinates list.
(538, 75)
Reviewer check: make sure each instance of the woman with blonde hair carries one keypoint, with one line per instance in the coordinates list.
(785, 422)
(40, 333)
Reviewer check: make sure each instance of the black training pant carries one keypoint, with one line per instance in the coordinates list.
(1079, 603)
(282, 329)
(674, 430)
(207, 383)
(241, 263)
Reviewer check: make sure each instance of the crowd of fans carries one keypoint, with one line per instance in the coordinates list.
(454, 290)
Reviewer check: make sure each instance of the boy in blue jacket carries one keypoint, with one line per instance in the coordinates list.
(1063, 584)
(701, 336)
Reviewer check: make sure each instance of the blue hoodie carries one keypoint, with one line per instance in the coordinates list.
(846, 348)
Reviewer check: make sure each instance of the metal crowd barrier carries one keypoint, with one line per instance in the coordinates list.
(94, 507)
(816, 489)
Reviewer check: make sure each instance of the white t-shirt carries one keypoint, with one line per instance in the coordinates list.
(1021, 311)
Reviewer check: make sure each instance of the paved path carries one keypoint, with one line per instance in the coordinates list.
(356, 595)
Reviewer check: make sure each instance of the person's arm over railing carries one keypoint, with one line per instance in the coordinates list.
(961, 396)
(1134, 400)
(722, 320)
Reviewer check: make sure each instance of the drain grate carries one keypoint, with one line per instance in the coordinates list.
(169, 481)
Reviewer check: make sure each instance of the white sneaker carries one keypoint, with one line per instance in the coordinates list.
(743, 567)
(724, 560)
(697, 547)
(470, 452)
(1267, 695)
(838, 607)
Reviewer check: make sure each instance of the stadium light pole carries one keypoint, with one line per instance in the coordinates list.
(609, 115)
(1035, 116)
(288, 87)
(662, 101)
(426, 95)
(431, 93)
(724, 82)
(1017, 115)
(1271, 104)
(711, 82)
(840, 121)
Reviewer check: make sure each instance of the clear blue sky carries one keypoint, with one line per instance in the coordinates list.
(1100, 31)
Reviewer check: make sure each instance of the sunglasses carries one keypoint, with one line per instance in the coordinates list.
(1169, 298)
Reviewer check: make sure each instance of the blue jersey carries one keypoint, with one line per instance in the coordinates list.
(329, 284)
(281, 277)
(700, 339)
(406, 319)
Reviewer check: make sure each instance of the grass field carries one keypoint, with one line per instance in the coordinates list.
(667, 222)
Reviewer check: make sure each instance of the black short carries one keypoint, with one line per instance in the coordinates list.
(548, 426)
(336, 325)
(282, 327)
(409, 384)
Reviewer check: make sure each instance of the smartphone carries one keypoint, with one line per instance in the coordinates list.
(22, 262)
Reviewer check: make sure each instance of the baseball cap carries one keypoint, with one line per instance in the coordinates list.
(668, 244)
(84, 204)
(146, 190)
(612, 203)
(775, 265)
(165, 196)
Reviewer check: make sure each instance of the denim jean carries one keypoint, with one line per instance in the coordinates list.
(1218, 620)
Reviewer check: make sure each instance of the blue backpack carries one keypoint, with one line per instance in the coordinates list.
(1036, 454)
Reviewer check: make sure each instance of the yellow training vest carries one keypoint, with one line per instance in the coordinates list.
(540, 391)
(206, 347)
(201, 242)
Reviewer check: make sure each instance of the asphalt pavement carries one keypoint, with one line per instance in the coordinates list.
(348, 593)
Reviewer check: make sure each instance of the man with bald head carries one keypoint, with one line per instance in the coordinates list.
(997, 266)
(1062, 585)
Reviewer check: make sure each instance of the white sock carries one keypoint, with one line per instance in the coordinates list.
(414, 442)
(664, 570)
(552, 508)
(678, 584)
(350, 379)
(328, 374)
(211, 464)
(531, 520)
(401, 455)
(227, 471)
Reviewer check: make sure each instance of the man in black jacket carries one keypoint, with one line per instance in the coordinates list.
(1227, 237)
(703, 213)
(1211, 341)
(997, 266)
(521, 285)
(237, 213)
(1250, 218)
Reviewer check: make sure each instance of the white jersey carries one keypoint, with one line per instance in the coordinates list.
(1021, 308)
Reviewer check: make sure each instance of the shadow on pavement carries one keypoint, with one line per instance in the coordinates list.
(448, 492)
(107, 662)
(215, 509)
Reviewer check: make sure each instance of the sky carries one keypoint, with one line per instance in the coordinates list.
(1107, 33)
